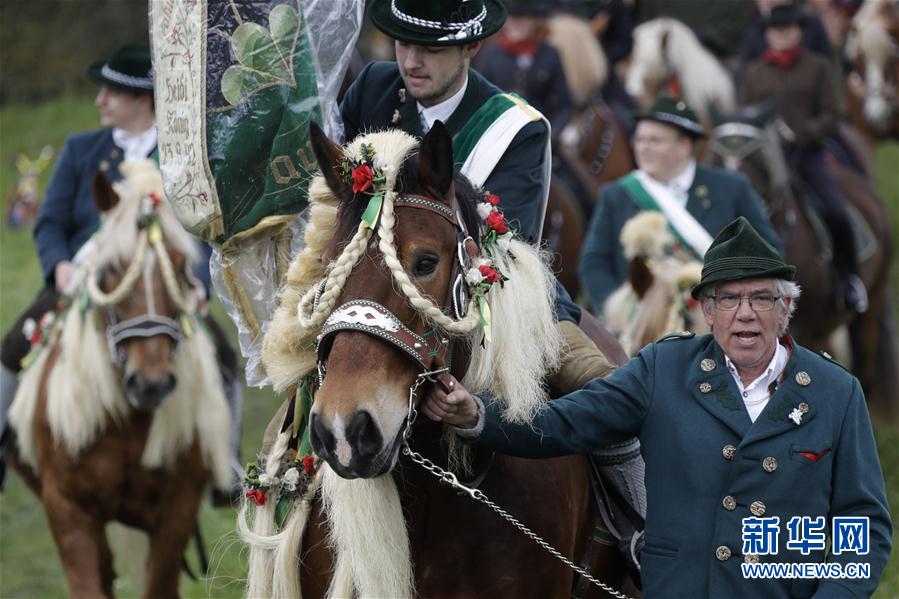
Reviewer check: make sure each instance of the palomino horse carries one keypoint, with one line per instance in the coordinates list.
(402, 299)
(122, 416)
(873, 86)
(743, 142)
(667, 57)
(655, 300)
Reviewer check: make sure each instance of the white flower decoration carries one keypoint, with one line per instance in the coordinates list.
(796, 416)
(484, 210)
(474, 276)
(267, 480)
(28, 328)
(291, 477)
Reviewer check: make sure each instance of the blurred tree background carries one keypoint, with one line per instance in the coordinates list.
(48, 44)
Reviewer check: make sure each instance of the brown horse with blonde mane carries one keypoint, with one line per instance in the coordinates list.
(380, 307)
(122, 416)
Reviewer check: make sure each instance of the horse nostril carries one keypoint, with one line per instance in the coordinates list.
(135, 384)
(322, 439)
(363, 435)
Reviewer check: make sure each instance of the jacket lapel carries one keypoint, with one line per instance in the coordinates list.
(469, 104)
(410, 122)
(699, 200)
(713, 387)
(795, 392)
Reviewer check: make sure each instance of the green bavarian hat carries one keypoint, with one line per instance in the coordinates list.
(739, 252)
(674, 112)
(437, 22)
(128, 68)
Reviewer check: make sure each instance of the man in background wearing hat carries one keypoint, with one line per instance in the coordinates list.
(757, 450)
(802, 83)
(68, 216)
(521, 60)
(697, 200)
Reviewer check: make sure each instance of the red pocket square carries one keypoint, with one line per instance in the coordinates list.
(814, 456)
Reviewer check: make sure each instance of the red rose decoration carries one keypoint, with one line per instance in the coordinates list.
(257, 496)
(497, 222)
(691, 303)
(308, 464)
(492, 199)
(155, 199)
(362, 178)
(36, 336)
(490, 275)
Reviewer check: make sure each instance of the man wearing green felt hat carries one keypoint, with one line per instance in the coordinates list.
(758, 451)
(697, 200)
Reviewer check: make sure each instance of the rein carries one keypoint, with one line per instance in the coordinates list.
(149, 324)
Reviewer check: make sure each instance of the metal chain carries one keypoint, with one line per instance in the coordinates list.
(450, 479)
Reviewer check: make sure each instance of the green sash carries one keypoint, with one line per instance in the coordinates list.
(644, 200)
(470, 134)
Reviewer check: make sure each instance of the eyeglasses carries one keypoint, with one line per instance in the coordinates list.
(759, 303)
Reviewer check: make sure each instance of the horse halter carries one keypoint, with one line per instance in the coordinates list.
(733, 156)
(430, 351)
(150, 324)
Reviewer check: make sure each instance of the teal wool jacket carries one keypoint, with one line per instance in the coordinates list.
(707, 463)
(715, 199)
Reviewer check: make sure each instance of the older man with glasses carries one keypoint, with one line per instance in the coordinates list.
(697, 200)
(758, 451)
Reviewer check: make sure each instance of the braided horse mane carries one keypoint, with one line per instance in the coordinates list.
(84, 391)
(364, 515)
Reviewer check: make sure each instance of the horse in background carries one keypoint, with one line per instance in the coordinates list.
(872, 89)
(655, 299)
(745, 141)
(380, 308)
(121, 415)
(668, 58)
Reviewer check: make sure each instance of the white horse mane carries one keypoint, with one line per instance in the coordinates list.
(83, 390)
(585, 64)
(118, 227)
(364, 515)
(703, 79)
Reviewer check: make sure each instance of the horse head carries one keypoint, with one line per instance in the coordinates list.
(875, 78)
(404, 242)
(655, 299)
(748, 141)
(139, 279)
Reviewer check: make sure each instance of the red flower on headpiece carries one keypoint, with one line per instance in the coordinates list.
(362, 178)
(155, 199)
(490, 275)
(497, 222)
(308, 464)
(492, 199)
(257, 496)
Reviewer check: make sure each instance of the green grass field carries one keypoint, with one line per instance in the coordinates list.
(29, 565)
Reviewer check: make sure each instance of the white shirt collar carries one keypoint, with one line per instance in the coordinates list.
(442, 111)
(135, 146)
(680, 185)
(771, 373)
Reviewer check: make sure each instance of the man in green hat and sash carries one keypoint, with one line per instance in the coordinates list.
(758, 451)
(697, 200)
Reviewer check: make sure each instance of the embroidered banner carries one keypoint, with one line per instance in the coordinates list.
(236, 85)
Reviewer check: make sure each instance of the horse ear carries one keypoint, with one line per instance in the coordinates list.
(435, 159)
(105, 197)
(639, 276)
(329, 156)
(766, 111)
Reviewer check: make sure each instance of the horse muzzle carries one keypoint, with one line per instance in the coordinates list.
(355, 448)
(146, 394)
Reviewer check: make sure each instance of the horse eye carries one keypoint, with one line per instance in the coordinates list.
(425, 265)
